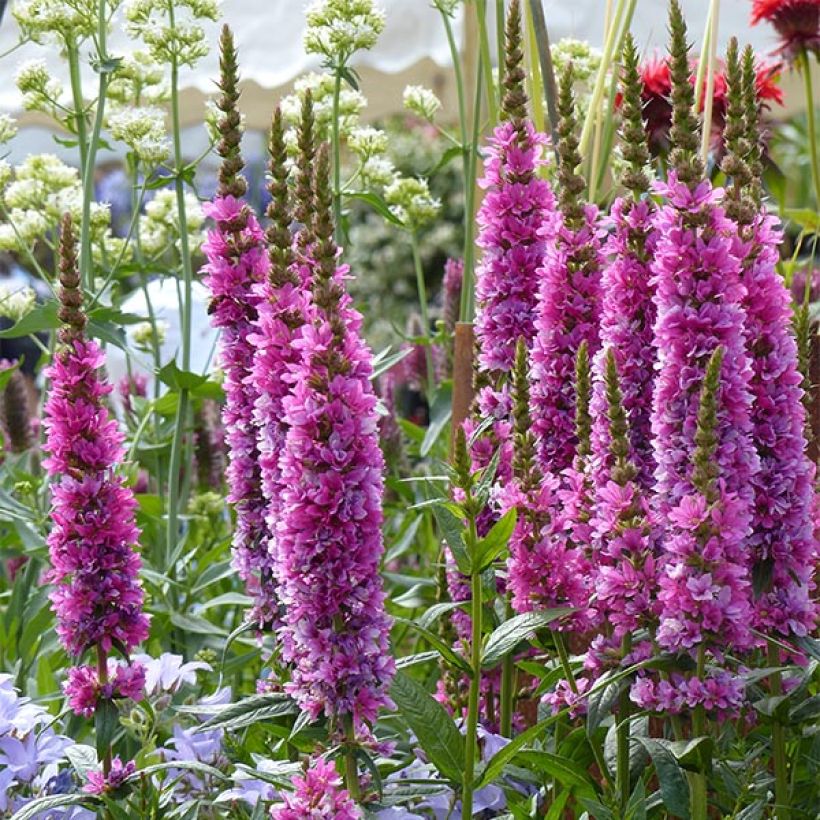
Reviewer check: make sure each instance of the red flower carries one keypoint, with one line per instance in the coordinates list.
(796, 21)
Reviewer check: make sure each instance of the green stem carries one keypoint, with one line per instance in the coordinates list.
(467, 306)
(624, 708)
(351, 769)
(811, 125)
(486, 61)
(781, 762)
(425, 316)
(501, 51)
(475, 691)
(336, 149)
(73, 55)
(563, 657)
(507, 695)
(86, 271)
(697, 780)
(102, 675)
(187, 277)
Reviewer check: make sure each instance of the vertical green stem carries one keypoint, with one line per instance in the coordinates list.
(336, 150)
(351, 769)
(486, 60)
(73, 55)
(425, 316)
(781, 762)
(102, 675)
(624, 708)
(563, 657)
(507, 695)
(697, 780)
(475, 691)
(500, 47)
(811, 124)
(187, 279)
(86, 267)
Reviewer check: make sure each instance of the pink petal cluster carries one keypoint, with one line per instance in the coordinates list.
(329, 539)
(626, 580)
(704, 584)
(98, 783)
(569, 306)
(97, 595)
(516, 221)
(782, 545)
(237, 263)
(318, 795)
(720, 693)
(84, 689)
(627, 325)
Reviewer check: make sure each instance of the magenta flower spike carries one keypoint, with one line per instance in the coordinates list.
(318, 794)
(97, 595)
(329, 540)
(236, 263)
(569, 301)
(782, 546)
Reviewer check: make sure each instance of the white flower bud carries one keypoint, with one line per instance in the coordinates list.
(421, 101)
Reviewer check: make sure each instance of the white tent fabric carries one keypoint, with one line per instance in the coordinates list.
(269, 34)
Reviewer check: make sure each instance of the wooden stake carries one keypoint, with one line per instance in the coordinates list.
(462, 377)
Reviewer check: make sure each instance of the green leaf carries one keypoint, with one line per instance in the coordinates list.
(43, 317)
(171, 765)
(54, 801)
(672, 780)
(695, 754)
(178, 379)
(430, 616)
(566, 771)
(378, 205)
(506, 637)
(435, 730)
(405, 540)
(453, 531)
(406, 661)
(804, 217)
(228, 599)
(495, 541)
(248, 711)
(442, 647)
(384, 360)
(441, 411)
(106, 723)
(600, 701)
(495, 765)
(195, 624)
(83, 759)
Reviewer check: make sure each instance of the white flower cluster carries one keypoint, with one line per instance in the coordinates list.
(585, 59)
(321, 87)
(411, 201)
(138, 80)
(142, 334)
(159, 228)
(8, 128)
(40, 90)
(15, 304)
(42, 190)
(184, 41)
(421, 101)
(366, 142)
(69, 20)
(337, 29)
(142, 129)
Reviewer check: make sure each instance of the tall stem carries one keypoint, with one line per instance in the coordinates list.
(351, 769)
(102, 676)
(73, 54)
(86, 272)
(708, 103)
(187, 280)
(507, 695)
(811, 125)
(425, 317)
(475, 691)
(697, 781)
(781, 763)
(486, 61)
(336, 149)
(624, 708)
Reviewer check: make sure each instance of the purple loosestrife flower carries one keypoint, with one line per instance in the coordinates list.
(625, 541)
(627, 309)
(97, 595)
(237, 261)
(782, 546)
(516, 220)
(100, 783)
(329, 540)
(283, 308)
(545, 569)
(317, 795)
(85, 690)
(568, 301)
